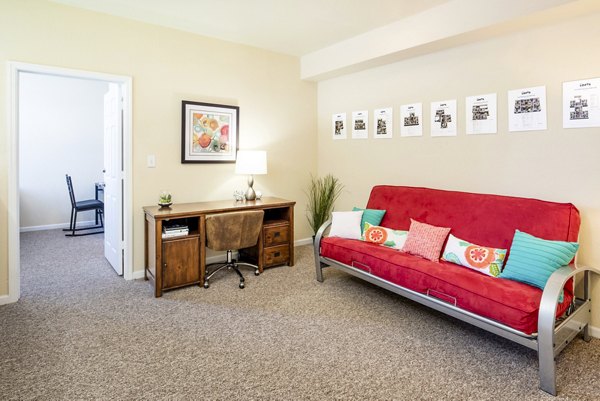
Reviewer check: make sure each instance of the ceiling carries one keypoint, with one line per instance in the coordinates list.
(301, 26)
(336, 37)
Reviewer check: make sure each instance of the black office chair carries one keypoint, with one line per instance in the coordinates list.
(232, 231)
(84, 206)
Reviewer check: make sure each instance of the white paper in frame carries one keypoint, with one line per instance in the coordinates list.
(411, 119)
(338, 126)
(581, 103)
(382, 123)
(481, 114)
(443, 118)
(360, 124)
(527, 109)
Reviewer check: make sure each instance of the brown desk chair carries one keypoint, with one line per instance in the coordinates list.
(83, 206)
(232, 231)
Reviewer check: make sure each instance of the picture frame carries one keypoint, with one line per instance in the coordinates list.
(209, 132)
(382, 123)
(338, 126)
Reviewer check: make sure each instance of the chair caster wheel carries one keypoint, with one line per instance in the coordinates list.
(206, 285)
(256, 272)
(242, 285)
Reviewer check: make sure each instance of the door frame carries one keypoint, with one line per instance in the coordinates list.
(14, 69)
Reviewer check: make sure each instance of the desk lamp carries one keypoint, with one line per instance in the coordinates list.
(251, 162)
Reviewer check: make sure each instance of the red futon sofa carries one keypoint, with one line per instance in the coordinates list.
(511, 309)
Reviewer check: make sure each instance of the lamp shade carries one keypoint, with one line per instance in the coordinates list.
(251, 162)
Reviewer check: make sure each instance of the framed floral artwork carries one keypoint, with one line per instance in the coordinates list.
(209, 132)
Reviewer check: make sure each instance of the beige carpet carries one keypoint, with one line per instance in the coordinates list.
(81, 332)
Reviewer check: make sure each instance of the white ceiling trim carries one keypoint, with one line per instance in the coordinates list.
(450, 24)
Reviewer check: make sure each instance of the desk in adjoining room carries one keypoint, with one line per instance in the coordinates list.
(179, 261)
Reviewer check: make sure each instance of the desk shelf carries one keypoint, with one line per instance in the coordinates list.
(192, 224)
(180, 261)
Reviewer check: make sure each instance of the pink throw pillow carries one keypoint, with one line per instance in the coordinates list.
(425, 240)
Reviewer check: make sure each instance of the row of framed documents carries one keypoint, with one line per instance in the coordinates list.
(527, 111)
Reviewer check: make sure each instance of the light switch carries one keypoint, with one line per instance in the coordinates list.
(151, 161)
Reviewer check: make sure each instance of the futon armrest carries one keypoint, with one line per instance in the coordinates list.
(553, 289)
(320, 233)
(317, 249)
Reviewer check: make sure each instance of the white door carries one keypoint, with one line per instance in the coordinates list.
(113, 193)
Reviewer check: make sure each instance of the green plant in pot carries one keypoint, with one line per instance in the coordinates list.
(165, 199)
(322, 195)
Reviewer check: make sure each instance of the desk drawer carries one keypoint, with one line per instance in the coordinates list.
(275, 235)
(276, 255)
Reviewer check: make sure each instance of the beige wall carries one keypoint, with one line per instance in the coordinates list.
(557, 164)
(277, 110)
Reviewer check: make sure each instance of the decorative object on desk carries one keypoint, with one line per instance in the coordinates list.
(238, 195)
(258, 195)
(251, 162)
(322, 195)
(165, 199)
(209, 132)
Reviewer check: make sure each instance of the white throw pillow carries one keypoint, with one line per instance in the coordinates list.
(384, 236)
(484, 259)
(346, 225)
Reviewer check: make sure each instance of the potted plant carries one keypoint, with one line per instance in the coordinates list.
(322, 194)
(165, 200)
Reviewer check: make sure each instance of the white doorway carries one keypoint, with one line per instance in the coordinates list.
(112, 176)
(119, 252)
(60, 132)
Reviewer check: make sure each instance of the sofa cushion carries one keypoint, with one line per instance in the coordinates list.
(371, 216)
(509, 302)
(346, 224)
(425, 240)
(384, 236)
(483, 259)
(533, 260)
(478, 218)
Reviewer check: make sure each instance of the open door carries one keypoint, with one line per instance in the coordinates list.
(113, 178)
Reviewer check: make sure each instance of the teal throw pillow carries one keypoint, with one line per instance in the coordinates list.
(532, 260)
(371, 216)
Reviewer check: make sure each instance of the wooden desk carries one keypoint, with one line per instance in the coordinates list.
(180, 261)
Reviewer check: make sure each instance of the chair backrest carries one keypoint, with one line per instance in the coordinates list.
(70, 187)
(232, 231)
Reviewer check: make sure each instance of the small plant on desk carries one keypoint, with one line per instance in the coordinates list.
(165, 199)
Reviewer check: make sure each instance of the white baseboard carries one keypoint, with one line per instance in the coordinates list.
(6, 299)
(138, 274)
(55, 226)
(595, 331)
(304, 241)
